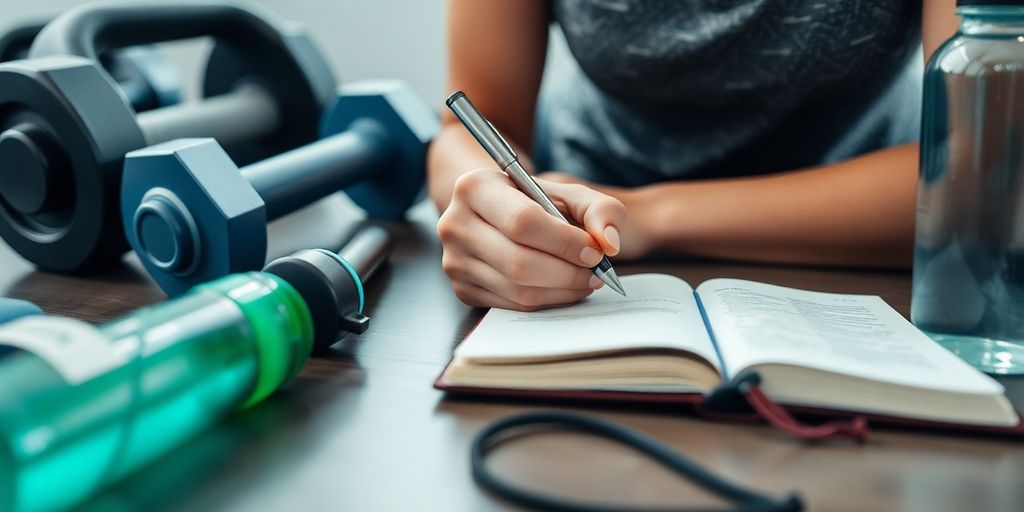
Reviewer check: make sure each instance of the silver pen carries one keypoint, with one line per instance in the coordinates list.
(496, 146)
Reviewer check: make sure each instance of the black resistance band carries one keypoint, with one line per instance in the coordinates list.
(490, 437)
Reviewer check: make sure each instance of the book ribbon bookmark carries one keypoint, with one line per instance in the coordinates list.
(743, 398)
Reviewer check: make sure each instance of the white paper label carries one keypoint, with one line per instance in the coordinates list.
(75, 349)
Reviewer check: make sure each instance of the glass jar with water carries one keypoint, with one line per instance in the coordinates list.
(968, 291)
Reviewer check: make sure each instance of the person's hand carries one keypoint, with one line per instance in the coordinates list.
(502, 249)
(637, 241)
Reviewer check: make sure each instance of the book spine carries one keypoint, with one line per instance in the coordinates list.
(711, 334)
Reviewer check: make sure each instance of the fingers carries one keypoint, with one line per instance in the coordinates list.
(600, 214)
(477, 296)
(526, 266)
(518, 265)
(495, 199)
(472, 277)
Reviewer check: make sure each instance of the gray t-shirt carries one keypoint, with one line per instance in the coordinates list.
(664, 89)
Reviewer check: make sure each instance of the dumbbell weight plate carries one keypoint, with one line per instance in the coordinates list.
(59, 167)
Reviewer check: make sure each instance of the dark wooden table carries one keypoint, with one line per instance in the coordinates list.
(364, 430)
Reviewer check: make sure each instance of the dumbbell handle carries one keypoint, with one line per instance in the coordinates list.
(215, 117)
(296, 178)
(88, 31)
(367, 250)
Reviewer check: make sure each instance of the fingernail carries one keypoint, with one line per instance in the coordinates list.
(595, 282)
(590, 256)
(612, 235)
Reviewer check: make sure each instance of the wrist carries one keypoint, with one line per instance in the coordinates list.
(640, 232)
(453, 153)
(658, 216)
(441, 178)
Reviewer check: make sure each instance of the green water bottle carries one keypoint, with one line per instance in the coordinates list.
(83, 406)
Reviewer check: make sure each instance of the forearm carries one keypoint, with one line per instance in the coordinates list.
(859, 212)
(496, 51)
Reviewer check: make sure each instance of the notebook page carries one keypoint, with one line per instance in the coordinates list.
(660, 312)
(858, 335)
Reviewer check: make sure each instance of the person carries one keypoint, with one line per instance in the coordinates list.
(764, 130)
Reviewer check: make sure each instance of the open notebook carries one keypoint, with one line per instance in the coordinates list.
(825, 351)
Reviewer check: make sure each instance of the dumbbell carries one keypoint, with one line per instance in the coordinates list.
(192, 216)
(65, 128)
(144, 74)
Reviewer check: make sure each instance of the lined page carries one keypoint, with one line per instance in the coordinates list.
(660, 313)
(857, 335)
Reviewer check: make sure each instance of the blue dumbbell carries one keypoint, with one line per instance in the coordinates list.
(192, 216)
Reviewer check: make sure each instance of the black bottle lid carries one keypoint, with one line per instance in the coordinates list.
(332, 283)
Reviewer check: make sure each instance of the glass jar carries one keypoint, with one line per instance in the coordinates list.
(968, 291)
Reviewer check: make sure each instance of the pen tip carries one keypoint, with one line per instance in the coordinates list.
(612, 280)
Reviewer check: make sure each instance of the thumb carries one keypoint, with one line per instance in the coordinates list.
(601, 215)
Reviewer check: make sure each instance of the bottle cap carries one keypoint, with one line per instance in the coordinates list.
(332, 283)
(331, 287)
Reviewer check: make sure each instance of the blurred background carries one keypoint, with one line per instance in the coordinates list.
(362, 39)
(392, 39)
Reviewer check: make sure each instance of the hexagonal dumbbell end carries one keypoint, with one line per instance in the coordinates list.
(189, 214)
(64, 129)
(410, 123)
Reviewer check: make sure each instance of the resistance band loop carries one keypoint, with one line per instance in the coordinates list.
(746, 500)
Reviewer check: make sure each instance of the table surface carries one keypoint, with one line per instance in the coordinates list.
(362, 429)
